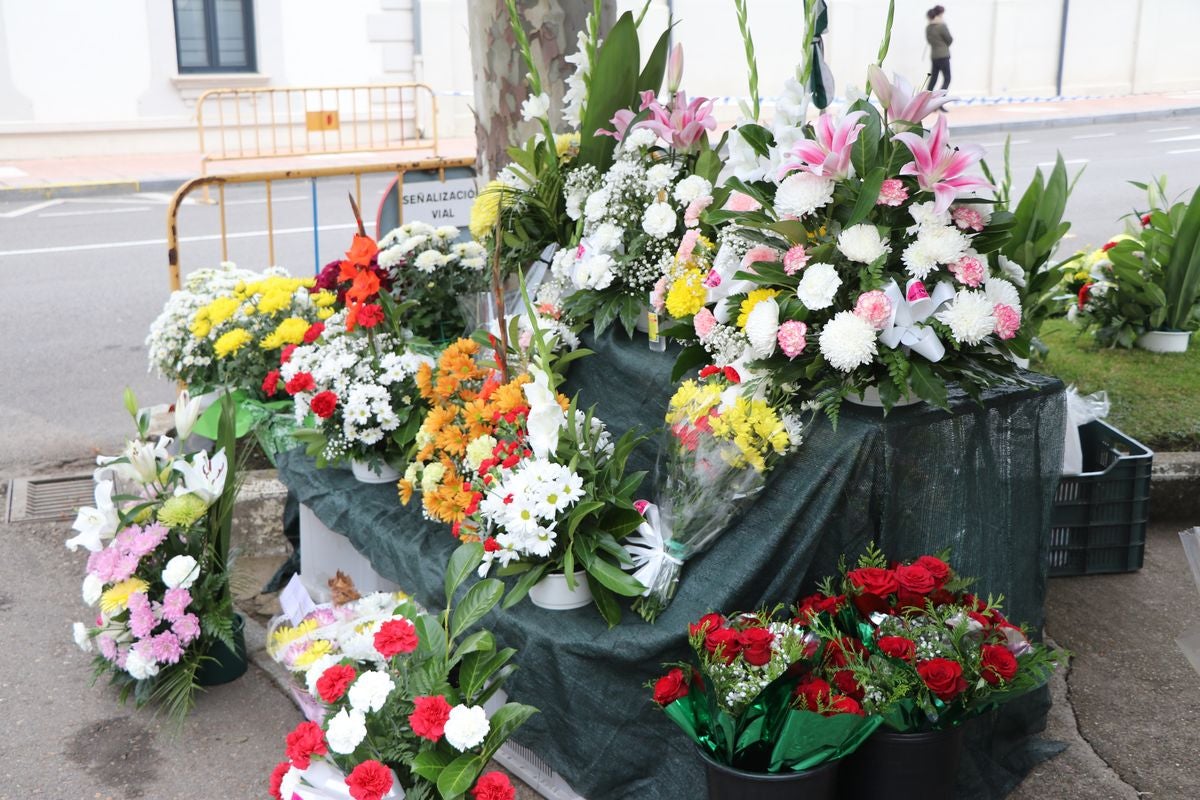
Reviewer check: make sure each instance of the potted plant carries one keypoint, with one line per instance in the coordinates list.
(409, 717)
(158, 565)
(920, 652)
(764, 722)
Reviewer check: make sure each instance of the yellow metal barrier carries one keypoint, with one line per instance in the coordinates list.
(269, 178)
(275, 122)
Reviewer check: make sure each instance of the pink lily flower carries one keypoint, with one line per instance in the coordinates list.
(681, 124)
(898, 98)
(827, 156)
(940, 168)
(620, 120)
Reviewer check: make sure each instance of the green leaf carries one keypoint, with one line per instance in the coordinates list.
(610, 575)
(928, 386)
(606, 602)
(463, 561)
(759, 138)
(865, 150)
(613, 87)
(431, 637)
(689, 358)
(579, 512)
(477, 642)
(656, 66)
(209, 421)
(459, 775)
(477, 669)
(479, 600)
(504, 722)
(522, 587)
(868, 194)
(430, 763)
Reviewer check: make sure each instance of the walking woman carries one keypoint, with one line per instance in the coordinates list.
(938, 36)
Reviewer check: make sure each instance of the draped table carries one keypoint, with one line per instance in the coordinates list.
(979, 481)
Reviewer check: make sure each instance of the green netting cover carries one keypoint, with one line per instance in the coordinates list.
(980, 480)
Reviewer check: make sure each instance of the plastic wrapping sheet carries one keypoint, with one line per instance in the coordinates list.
(980, 480)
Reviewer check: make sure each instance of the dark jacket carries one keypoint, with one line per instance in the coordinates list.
(939, 38)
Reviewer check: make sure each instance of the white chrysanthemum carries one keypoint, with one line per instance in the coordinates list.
(432, 475)
(446, 232)
(945, 244)
(692, 188)
(818, 286)
(847, 341)
(466, 727)
(478, 449)
(430, 260)
(659, 176)
(999, 290)
(408, 245)
(862, 243)
(82, 640)
(925, 215)
(370, 691)
(918, 260)
(969, 317)
(346, 731)
(390, 257)
(535, 107)
(762, 326)
(659, 220)
(802, 193)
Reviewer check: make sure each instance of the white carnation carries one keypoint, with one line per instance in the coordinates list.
(596, 206)
(659, 176)
(862, 243)
(847, 341)
(999, 290)
(346, 731)
(818, 286)
(802, 193)
(692, 188)
(290, 783)
(80, 632)
(659, 220)
(762, 326)
(466, 727)
(93, 587)
(370, 691)
(181, 572)
(969, 317)
(639, 137)
(594, 272)
(138, 667)
(607, 237)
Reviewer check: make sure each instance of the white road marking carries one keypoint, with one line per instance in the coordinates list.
(1067, 162)
(1169, 130)
(1001, 144)
(12, 172)
(92, 211)
(1188, 150)
(1024, 110)
(1189, 138)
(1094, 135)
(75, 248)
(20, 212)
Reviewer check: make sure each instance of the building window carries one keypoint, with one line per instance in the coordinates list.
(214, 35)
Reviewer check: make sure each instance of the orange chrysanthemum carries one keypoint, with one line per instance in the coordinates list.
(452, 440)
(406, 491)
(424, 381)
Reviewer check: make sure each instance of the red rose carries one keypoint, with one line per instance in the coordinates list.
(844, 680)
(370, 780)
(670, 687)
(997, 664)
(314, 332)
(939, 569)
(841, 704)
(943, 677)
(909, 601)
(429, 716)
(300, 382)
(494, 786)
(812, 693)
(837, 649)
(725, 641)
(334, 682)
(270, 383)
(941, 597)
(304, 742)
(897, 647)
(369, 315)
(815, 604)
(756, 645)
(874, 580)
(984, 621)
(324, 404)
(868, 604)
(915, 578)
(396, 636)
(277, 774)
(707, 623)
(285, 355)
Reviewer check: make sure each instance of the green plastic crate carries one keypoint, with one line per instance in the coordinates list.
(1099, 519)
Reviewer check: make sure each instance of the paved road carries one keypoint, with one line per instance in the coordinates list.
(82, 279)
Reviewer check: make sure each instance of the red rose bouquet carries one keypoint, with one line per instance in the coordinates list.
(912, 645)
(759, 700)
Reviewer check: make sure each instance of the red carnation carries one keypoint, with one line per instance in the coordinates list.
(943, 677)
(369, 315)
(324, 404)
(725, 641)
(897, 647)
(812, 692)
(490, 545)
(939, 569)
(670, 687)
(842, 704)
(300, 382)
(915, 579)
(334, 682)
(874, 580)
(270, 384)
(304, 742)
(277, 774)
(314, 332)
(396, 636)
(756, 645)
(707, 624)
(285, 355)
(429, 716)
(732, 375)
(370, 780)
(997, 664)
(709, 371)
(494, 786)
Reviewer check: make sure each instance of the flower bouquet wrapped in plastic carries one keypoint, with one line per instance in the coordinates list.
(721, 441)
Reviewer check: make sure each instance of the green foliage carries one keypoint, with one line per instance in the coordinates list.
(613, 87)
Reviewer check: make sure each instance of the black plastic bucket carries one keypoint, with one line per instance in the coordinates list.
(223, 665)
(727, 783)
(903, 766)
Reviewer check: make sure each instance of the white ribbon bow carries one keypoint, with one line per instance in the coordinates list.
(647, 547)
(906, 322)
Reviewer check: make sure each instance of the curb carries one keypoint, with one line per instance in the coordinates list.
(51, 191)
(1068, 122)
(1175, 486)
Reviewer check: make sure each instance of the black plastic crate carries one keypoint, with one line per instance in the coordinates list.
(1099, 519)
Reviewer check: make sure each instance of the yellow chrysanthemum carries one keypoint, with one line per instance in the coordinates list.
(324, 314)
(292, 330)
(754, 298)
(116, 597)
(200, 327)
(755, 430)
(485, 211)
(318, 648)
(324, 299)
(222, 309)
(564, 143)
(687, 294)
(273, 302)
(232, 341)
(272, 341)
(286, 634)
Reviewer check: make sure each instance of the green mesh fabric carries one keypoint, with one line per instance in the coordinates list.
(980, 480)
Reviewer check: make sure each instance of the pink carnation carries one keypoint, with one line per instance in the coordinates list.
(967, 218)
(187, 628)
(704, 322)
(166, 648)
(740, 201)
(687, 244)
(760, 252)
(969, 270)
(875, 308)
(892, 193)
(1007, 320)
(691, 216)
(175, 603)
(795, 259)
(791, 338)
(657, 294)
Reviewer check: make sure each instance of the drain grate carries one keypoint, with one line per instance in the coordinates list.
(48, 498)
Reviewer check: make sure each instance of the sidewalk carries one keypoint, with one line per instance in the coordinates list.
(36, 179)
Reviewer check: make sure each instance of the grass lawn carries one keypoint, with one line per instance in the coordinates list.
(1155, 397)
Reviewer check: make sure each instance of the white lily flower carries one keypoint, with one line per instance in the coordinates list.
(187, 411)
(203, 477)
(141, 461)
(546, 417)
(96, 524)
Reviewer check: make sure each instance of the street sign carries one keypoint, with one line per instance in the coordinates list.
(429, 198)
